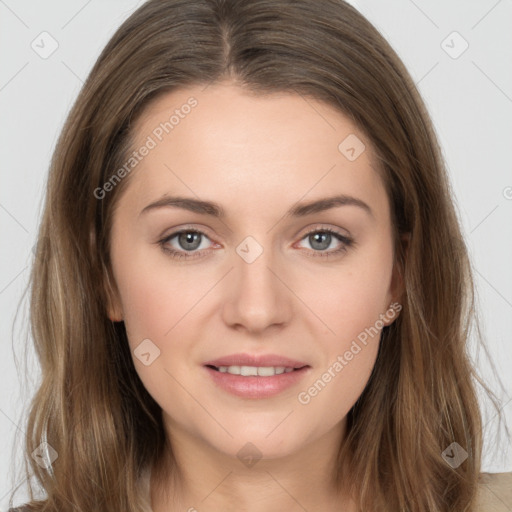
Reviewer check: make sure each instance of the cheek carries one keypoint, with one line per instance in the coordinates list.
(159, 307)
(349, 348)
(158, 295)
(347, 299)
(350, 302)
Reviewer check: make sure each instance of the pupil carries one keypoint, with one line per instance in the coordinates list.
(322, 245)
(187, 239)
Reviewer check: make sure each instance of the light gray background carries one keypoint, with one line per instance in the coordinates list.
(469, 97)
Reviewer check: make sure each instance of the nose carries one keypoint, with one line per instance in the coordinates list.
(258, 294)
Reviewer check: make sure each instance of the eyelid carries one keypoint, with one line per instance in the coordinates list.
(205, 231)
(186, 227)
(321, 226)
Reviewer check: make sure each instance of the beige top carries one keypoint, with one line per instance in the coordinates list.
(495, 493)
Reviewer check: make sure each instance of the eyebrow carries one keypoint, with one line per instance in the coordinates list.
(215, 210)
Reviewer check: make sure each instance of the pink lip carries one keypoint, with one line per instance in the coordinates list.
(256, 386)
(256, 360)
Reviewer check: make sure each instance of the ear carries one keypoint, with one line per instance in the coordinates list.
(113, 306)
(397, 287)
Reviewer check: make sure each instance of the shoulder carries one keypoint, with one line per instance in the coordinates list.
(495, 492)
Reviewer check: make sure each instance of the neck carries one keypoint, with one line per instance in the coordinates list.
(205, 479)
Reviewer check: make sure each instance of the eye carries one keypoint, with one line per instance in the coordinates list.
(321, 239)
(187, 240)
(189, 243)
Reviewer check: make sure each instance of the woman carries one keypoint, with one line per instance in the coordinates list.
(251, 288)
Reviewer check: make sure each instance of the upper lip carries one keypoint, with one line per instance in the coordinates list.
(256, 360)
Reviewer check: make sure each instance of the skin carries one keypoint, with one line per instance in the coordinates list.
(256, 157)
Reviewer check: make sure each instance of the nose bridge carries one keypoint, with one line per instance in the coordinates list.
(258, 298)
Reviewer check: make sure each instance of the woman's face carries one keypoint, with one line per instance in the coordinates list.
(259, 274)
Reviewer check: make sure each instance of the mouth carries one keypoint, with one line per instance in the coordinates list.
(255, 371)
(257, 380)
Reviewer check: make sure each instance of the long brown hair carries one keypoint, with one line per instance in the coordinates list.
(91, 406)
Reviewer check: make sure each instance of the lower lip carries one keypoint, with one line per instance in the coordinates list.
(257, 387)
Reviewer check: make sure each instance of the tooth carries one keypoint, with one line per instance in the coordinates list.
(266, 371)
(248, 370)
(234, 369)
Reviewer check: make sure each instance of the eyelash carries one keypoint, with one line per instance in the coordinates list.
(347, 242)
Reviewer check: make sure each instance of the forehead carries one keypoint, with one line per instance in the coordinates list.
(241, 148)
